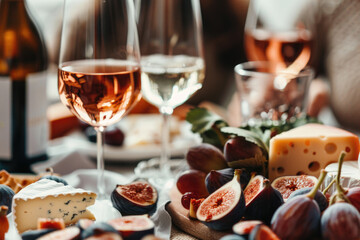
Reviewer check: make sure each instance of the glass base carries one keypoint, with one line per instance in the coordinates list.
(151, 170)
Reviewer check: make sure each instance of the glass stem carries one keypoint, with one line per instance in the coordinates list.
(165, 140)
(100, 162)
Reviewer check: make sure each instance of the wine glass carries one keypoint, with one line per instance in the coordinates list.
(99, 77)
(279, 31)
(172, 64)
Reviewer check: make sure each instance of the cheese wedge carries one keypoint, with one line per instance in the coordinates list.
(49, 199)
(308, 149)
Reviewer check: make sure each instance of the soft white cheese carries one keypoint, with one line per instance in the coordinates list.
(49, 199)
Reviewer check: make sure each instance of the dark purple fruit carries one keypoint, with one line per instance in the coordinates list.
(340, 221)
(232, 237)
(262, 232)
(98, 229)
(224, 207)
(205, 157)
(217, 178)
(289, 184)
(261, 199)
(185, 199)
(240, 153)
(319, 197)
(113, 135)
(6, 196)
(353, 195)
(133, 227)
(192, 181)
(138, 197)
(244, 228)
(299, 217)
(35, 234)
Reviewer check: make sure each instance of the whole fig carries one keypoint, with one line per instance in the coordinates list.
(340, 221)
(299, 217)
(353, 195)
(205, 157)
(192, 181)
(240, 153)
(320, 198)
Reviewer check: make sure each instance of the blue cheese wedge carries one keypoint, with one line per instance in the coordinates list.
(49, 199)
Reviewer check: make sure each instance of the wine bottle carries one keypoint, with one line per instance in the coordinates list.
(23, 65)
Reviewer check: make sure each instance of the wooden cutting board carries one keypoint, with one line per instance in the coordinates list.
(193, 227)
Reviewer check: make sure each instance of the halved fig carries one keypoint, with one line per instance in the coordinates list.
(262, 232)
(138, 197)
(56, 223)
(261, 199)
(244, 228)
(133, 227)
(288, 184)
(194, 205)
(70, 233)
(98, 230)
(217, 178)
(224, 207)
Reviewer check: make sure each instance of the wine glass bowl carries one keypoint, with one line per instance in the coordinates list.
(99, 76)
(172, 64)
(278, 31)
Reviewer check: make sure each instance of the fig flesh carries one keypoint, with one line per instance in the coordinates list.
(340, 221)
(205, 157)
(133, 227)
(262, 232)
(138, 197)
(261, 199)
(353, 195)
(320, 198)
(244, 228)
(194, 205)
(299, 217)
(98, 229)
(217, 178)
(289, 184)
(224, 207)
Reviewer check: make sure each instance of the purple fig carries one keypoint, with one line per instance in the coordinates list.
(138, 197)
(353, 195)
(240, 153)
(261, 199)
(217, 178)
(320, 198)
(262, 232)
(340, 221)
(224, 207)
(205, 157)
(299, 217)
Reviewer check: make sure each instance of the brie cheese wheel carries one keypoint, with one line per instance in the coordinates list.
(350, 175)
(50, 199)
(308, 149)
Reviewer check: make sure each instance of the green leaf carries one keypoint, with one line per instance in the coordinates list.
(202, 120)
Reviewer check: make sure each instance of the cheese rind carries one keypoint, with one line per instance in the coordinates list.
(49, 199)
(308, 149)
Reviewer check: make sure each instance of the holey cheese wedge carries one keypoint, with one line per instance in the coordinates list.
(308, 149)
(49, 199)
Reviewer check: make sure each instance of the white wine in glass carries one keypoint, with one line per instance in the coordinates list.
(172, 64)
(99, 76)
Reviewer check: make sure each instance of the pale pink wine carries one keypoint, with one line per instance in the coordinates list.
(99, 92)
